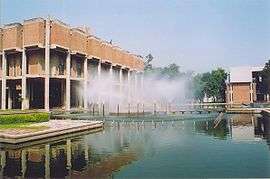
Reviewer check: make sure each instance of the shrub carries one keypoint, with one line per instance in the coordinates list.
(23, 118)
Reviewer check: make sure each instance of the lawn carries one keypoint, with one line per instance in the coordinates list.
(20, 118)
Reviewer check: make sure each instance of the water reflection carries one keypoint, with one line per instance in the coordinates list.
(104, 153)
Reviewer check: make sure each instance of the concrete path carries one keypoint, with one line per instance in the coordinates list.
(48, 129)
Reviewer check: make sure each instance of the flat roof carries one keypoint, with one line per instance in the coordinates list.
(243, 73)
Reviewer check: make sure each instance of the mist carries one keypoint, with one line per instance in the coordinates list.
(146, 90)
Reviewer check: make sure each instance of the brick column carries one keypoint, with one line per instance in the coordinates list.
(251, 92)
(111, 73)
(98, 79)
(4, 74)
(68, 81)
(121, 80)
(85, 75)
(142, 80)
(47, 66)
(128, 85)
(24, 87)
(112, 81)
(136, 83)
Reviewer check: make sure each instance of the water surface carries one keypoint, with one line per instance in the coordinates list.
(237, 147)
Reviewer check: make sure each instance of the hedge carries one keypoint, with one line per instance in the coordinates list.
(23, 118)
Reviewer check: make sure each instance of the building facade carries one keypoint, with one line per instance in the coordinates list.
(45, 63)
(245, 86)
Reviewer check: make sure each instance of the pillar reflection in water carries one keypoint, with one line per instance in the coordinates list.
(47, 161)
(262, 128)
(68, 145)
(3, 162)
(23, 162)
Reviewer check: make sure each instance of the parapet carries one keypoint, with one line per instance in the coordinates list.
(78, 41)
(60, 34)
(93, 47)
(1, 40)
(12, 36)
(34, 32)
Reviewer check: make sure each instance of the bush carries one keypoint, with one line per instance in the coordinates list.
(23, 118)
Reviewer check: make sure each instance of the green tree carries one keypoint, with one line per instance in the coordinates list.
(171, 71)
(266, 76)
(218, 84)
(198, 87)
(147, 64)
(212, 84)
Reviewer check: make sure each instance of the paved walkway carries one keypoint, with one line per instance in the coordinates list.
(47, 129)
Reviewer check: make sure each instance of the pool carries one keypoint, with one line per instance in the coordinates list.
(238, 146)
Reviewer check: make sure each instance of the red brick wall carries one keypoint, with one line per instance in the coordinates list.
(12, 37)
(1, 40)
(60, 34)
(241, 92)
(34, 33)
(93, 47)
(78, 41)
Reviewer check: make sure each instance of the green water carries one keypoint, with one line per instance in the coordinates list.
(237, 147)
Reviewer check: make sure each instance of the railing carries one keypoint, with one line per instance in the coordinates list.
(139, 109)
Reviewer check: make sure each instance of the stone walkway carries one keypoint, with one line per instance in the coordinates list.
(47, 129)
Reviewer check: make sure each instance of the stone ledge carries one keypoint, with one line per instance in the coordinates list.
(56, 128)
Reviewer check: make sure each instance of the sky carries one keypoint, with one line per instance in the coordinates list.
(198, 35)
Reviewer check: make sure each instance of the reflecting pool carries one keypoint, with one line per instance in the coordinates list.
(238, 146)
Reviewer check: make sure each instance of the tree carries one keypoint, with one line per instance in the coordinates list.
(218, 84)
(266, 75)
(212, 84)
(168, 72)
(147, 64)
(198, 87)
(171, 71)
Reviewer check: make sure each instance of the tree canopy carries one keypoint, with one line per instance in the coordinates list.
(212, 84)
(265, 74)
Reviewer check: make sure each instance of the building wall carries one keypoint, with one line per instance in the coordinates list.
(76, 70)
(57, 63)
(33, 32)
(1, 40)
(1, 66)
(60, 34)
(78, 41)
(241, 93)
(35, 62)
(14, 67)
(93, 47)
(12, 36)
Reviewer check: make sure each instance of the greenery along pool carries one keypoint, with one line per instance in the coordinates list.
(237, 147)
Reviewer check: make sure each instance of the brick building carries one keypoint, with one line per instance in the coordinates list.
(245, 85)
(45, 61)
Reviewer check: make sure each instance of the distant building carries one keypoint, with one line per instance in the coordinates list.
(245, 85)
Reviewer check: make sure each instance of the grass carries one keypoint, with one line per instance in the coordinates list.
(22, 126)
(21, 119)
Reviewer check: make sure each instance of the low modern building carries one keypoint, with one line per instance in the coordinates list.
(44, 63)
(245, 85)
